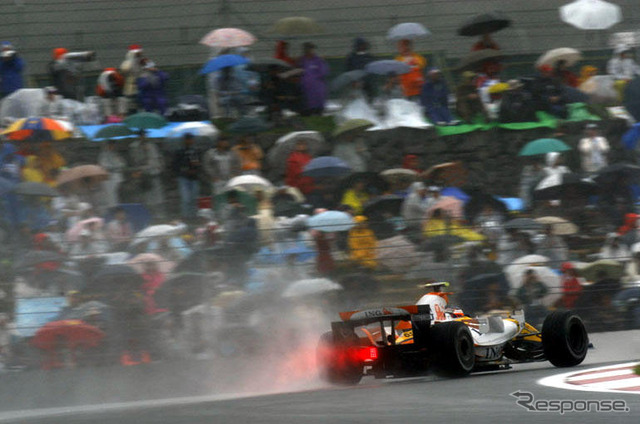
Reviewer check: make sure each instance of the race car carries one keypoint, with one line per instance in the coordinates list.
(412, 340)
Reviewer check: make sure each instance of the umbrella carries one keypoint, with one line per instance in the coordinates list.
(183, 291)
(374, 183)
(477, 57)
(386, 67)
(197, 129)
(547, 276)
(248, 125)
(73, 234)
(591, 14)
(267, 63)
(138, 262)
(296, 25)
(399, 173)
(38, 128)
(83, 171)
(145, 121)
(446, 174)
(441, 242)
(249, 183)
(601, 89)
(352, 126)
(478, 201)
(114, 131)
(310, 287)
(559, 186)
(407, 31)
(331, 221)
(559, 226)
(37, 257)
(36, 189)
(389, 204)
(455, 192)
(228, 38)
(484, 24)
(551, 57)
(523, 224)
(326, 166)
(543, 146)
(515, 270)
(223, 61)
(590, 271)
(347, 78)
(616, 172)
(285, 145)
(631, 100)
(75, 333)
(450, 205)
(155, 231)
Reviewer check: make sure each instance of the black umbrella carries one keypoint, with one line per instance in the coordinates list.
(268, 63)
(374, 183)
(561, 186)
(36, 189)
(248, 125)
(616, 172)
(183, 291)
(479, 201)
(346, 79)
(484, 24)
(474, 295)
(36, 257)
(114, 279)
(476, 58)
(523, 224)
(387, 204)
(437, 243)
(632, 98)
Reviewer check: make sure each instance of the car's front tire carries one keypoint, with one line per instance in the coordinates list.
(564, 339)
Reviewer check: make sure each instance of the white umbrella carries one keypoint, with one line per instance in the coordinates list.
(569, 55)
(155, 231)
(228, 38)
(407, 31)
(279, 153)
(601, 89)
(249, 182)
(515, 275)
(591, 14)
(399, 172)
(197, 129)
(312, 286)
(559, 226)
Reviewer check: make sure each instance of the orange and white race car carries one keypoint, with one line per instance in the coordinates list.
(411, 340)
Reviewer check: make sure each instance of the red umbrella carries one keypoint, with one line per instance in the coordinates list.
(74, 333)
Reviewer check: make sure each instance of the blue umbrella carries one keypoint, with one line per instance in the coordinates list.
(386, 67)
(331, 221)
(455, 192)
(6, 185)
(326, 166)
(223, 61)
(407, 31)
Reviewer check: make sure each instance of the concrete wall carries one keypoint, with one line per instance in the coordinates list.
(170, 29)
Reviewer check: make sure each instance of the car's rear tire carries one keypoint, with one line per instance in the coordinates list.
(564, 339)
(334, 363)
(451, 345)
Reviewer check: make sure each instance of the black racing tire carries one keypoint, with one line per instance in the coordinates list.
(335, 368)
(452, 349)
(564, 339)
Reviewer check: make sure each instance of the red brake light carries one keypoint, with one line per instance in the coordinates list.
(369, 353)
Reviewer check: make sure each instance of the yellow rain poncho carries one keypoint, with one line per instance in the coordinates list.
(362, 244)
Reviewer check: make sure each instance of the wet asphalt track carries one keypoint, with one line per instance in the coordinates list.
(479, 398)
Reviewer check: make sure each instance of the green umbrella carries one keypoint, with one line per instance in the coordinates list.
(250, 203)
(114, 131)
(613, 269)
(352, 125)
(248, 126)
(145, 121)
(542, 146)
(296, 25)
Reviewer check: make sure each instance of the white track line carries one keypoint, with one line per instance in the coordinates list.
(570, 380)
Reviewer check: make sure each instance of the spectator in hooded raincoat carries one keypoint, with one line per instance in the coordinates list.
(131, 68)
(151, 88)
(435, 98)
(412, 81)
(11, 67)
(362, 244)
(313, 82)
(358, 59)
(295, 164)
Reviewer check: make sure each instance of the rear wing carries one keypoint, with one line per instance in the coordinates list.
(396, 313)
